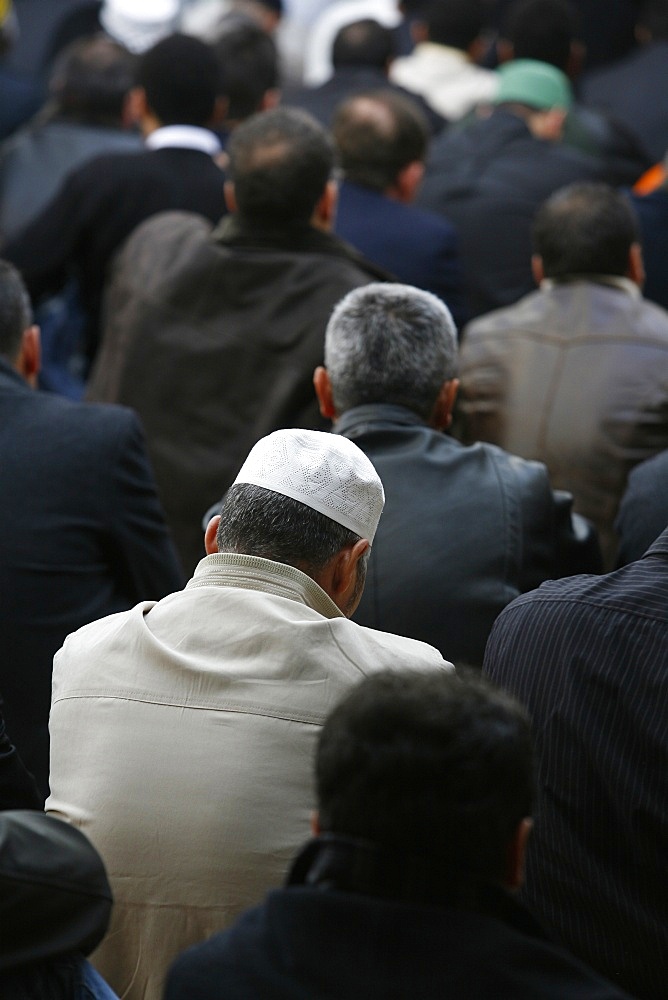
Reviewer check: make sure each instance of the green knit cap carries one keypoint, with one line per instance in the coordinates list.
(537, 84)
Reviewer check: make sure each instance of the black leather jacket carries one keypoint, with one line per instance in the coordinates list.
(465, 530)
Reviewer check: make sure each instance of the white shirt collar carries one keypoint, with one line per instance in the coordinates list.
(184, 137)
(615, 281)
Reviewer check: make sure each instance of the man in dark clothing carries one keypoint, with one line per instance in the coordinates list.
(82, 533)
(382, 143)
(643, 512)
(361, 56)
(213, 337)
(465, 530)
(424, 788)
(588, 657)
(489, 178)
(103, 201)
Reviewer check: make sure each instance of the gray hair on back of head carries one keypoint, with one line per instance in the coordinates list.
(390, 343)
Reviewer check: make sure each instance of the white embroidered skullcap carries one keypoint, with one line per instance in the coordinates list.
(324, 471)
(139, 24)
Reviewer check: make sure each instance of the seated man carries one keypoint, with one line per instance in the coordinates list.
(82, 533)
(588, 657)
(424, 787)
(575, 374)
(382, 143)
(213, 336)
(195, 718)
(175, 100)
(465, 530)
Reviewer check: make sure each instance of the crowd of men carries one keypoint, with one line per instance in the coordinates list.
(334, 446)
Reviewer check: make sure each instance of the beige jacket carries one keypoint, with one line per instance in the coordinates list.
(575, 376)
(182, 741)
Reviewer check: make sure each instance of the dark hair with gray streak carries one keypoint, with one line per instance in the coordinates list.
(389, 343)
(259, 522)
(15, 310)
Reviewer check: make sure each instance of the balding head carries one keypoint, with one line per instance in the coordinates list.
(378, 135)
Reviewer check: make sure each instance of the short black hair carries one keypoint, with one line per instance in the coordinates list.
(453, 22)
(377, 134)
(585, 228)
(363, 43)
(15, 310)
(181, 78)
(259, 522)
(543, 29)
(248, 63)
(280, 162)
(91, 79)
(436, 765)
(654, 16)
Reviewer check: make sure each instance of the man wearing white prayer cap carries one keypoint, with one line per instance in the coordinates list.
(182, 732)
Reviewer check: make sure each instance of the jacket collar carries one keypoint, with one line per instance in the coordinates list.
(347, 864)
(232, 569)
(659, 547)
(8, 371)
(234, 232)
(361, 418)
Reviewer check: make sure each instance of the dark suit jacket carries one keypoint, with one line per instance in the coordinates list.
(81, 536)
(488, 179)
(652, 212)
(347, 81)
(314, 939)
(97, 208)
(588, 656)
(418, 247)
(631, 90)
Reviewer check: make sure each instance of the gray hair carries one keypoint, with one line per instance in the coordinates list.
(259, 522)
(390, 343)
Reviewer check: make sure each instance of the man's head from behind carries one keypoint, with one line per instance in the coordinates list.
(363, 43)
(248, 61)
(434, 766)
(280, 165)
(390, 344)
(544, 30)
(19, 339)
(180, 81)
(455, 23)
(305, 499)
(382, 140)
(91, 80)
(586, 229)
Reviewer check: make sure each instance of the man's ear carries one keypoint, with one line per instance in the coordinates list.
(547, 125)
(323, 390)
(537, 268)
(29, 360)
(324, 212)
(230, 197)
(408, 180)
(636, 266)
(270, 99)
(136, 107)
(441, 415)
(219, 115)
(516, 854)
(210, 543)
(316, 829)
(343, 578)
